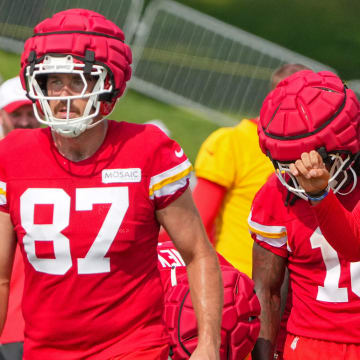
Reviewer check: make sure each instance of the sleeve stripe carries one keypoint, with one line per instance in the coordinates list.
(278, 242)
(170, 176)
(171, 186)
(267, 234)
(272, 232)
(170, 189)
(3, 200)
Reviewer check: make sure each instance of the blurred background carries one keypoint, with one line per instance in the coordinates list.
(201, 64)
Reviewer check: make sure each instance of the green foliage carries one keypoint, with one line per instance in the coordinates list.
(9, 65)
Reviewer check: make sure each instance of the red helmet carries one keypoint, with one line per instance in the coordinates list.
(240, 323)
(80, 42)
(311, 111)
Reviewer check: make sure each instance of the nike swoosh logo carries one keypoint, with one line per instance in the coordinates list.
(180, 153)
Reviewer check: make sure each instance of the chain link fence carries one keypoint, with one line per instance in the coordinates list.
(18, 17)
(181, 56)
(187, 58)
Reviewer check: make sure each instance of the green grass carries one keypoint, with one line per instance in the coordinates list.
(9, 64)
(186, 128)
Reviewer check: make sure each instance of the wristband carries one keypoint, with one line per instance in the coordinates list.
(319, 196)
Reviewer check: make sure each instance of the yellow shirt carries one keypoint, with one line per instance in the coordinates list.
(231, 157)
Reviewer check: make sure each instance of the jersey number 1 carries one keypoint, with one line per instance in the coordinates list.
(95, 260)
(331, 291)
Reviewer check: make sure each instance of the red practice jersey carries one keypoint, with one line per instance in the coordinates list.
(325, 287)
(14, 326)
(88, 234)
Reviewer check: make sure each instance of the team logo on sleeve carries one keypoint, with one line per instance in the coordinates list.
(2, 193)
(131, 175)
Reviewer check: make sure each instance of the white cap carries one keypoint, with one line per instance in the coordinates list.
(12, 95)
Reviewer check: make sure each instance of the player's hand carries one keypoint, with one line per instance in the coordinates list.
(202, 353)
(310, 172)
(5, 122)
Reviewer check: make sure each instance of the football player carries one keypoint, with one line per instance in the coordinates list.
(306, 111)
(85, 197)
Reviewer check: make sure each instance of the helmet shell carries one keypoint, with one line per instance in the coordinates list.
(74, 32)
(240, 325)
(308, 111)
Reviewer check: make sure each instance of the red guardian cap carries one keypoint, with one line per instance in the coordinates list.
(79, 42)
(308, 111)
(79, 32)
(311, 111)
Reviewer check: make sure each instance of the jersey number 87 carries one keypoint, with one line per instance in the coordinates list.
(95, 260)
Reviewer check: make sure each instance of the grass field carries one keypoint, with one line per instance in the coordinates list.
(188, 129)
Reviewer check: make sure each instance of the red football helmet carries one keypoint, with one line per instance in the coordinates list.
(240, 324)
(311, 111)
(83, 43)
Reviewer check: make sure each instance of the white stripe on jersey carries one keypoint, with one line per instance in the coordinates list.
(273, 232)
(168, 182)
(3, 200)
(171, 188)
(278, 242)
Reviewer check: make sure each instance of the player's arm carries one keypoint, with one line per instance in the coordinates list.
(208, 197)
(340, 227)
(183, 223)
(268, 275)
(7, 251)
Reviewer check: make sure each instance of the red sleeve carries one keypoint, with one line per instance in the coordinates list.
(170, 169)
(208, 197)
(268, 218)
(340, 227)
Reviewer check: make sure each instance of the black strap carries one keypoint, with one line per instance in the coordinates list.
(187, 352)
(32, 61)
(89, 61)
(78, 32)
